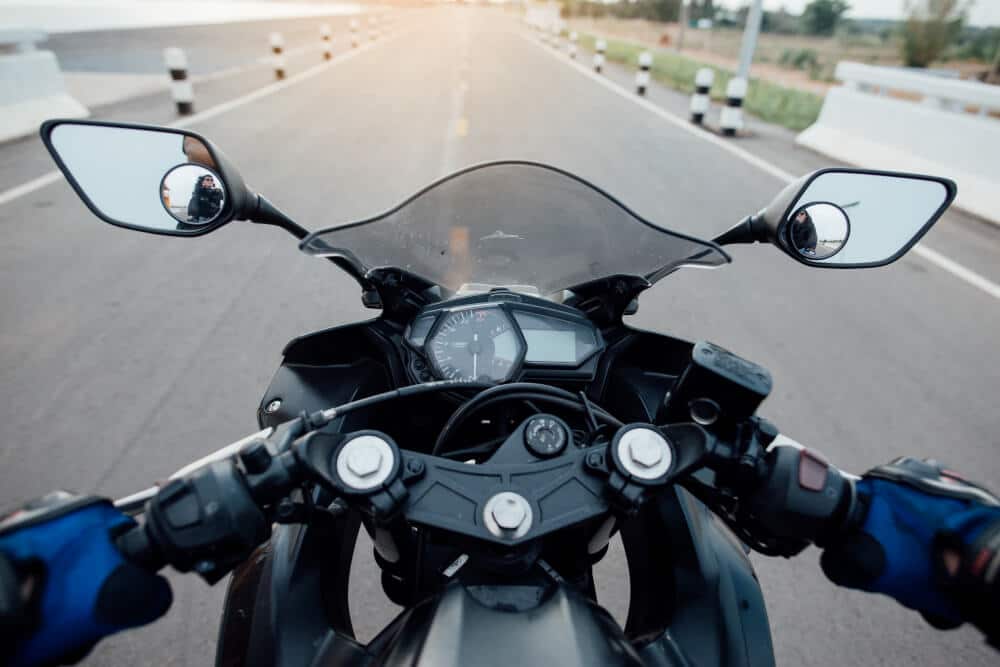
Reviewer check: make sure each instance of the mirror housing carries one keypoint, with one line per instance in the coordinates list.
(887, 213)
(119, 170)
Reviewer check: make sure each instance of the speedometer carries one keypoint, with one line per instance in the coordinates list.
(476, 344)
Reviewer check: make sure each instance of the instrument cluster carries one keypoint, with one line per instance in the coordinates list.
(500, 341)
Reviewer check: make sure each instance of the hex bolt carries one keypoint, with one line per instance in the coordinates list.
(509, 514)
(645, 452)
(273, 406)
(364, 461)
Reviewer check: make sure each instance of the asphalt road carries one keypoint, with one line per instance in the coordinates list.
(209, 48)
(124, 356)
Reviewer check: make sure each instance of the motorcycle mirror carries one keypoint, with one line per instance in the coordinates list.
(151, 179)
(848, 218)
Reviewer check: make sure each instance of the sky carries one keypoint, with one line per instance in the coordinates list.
(982, 12)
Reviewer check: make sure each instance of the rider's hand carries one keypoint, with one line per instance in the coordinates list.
(930, 539)
(63, 583)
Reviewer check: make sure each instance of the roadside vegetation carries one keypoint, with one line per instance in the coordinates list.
(789, 107)
(933, 33)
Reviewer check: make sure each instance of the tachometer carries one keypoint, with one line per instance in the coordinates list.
(477, 344)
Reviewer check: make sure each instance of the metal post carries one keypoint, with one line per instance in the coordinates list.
(180, 85)
(682, 25)
(642, 76)
(750, 33)
(277, 48)
(599, 49)
(326, 35)
(700, 101)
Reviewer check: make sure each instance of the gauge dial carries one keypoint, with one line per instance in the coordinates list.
(478, 344)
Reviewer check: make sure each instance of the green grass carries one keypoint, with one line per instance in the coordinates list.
(791, 108)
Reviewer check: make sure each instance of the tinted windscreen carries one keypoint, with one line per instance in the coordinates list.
(513, 224)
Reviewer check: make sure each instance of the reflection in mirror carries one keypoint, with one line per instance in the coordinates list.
(128, 175)
(818, 231)
(193, 195)
(886, 212)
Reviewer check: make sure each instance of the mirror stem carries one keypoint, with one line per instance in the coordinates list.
(267, 214)
(744, 231)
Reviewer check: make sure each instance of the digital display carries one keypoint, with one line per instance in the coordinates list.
(550, 346)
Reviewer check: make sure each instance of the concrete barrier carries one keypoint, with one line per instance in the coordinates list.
(886, 118)
(31, 86)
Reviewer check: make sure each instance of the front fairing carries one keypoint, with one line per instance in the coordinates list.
(523, 226)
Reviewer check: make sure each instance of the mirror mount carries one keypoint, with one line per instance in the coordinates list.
(748, 230)
(264, 212)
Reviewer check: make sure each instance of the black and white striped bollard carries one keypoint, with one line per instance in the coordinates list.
(599, 48)
(278, 48)
(701, 101)
(572, 45)
(180, 88)
(326, 34)
(731, 120)
(354, 33)
(642, 76)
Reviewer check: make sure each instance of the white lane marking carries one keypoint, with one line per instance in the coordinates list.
(961, 272)
(55, 175)
(27, 188)
(957, 270)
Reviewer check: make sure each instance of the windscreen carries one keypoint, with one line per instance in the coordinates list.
(513, 224)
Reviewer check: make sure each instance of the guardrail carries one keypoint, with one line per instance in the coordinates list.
(941, 92)
(31, 85)
(889, 118)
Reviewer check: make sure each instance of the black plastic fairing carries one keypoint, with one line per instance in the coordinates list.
(456, 629)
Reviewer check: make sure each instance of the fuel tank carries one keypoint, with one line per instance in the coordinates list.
(466, 627)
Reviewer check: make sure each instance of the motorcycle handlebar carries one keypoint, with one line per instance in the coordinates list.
(211, 518)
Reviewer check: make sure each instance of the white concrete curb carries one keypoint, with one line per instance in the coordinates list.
(32, 89)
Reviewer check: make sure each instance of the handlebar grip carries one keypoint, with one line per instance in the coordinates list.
(802, 496)
(135, 545)
(207, 521)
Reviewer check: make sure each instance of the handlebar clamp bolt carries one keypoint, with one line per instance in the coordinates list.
(364, 461)
(508, 515)
(642, 452)
(645, 452)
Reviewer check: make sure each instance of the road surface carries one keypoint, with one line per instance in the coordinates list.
(124, 356)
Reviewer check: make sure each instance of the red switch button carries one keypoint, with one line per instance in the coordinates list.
(812, 471)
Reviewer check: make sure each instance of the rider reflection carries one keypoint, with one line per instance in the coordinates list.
(803, 233)
(206, 200)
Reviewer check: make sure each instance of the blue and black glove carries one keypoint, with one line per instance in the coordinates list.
(930, 540)
(63, 583)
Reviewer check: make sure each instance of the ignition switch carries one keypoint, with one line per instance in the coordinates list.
(545, 435)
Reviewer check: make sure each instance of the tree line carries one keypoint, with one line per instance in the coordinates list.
(932, 29)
